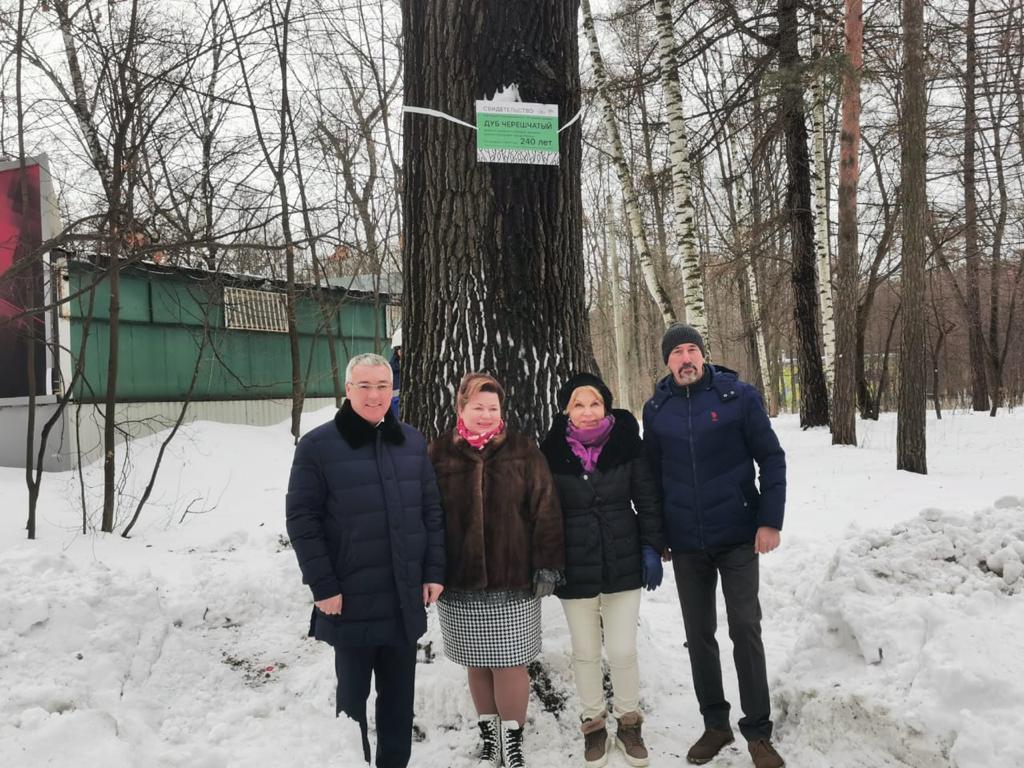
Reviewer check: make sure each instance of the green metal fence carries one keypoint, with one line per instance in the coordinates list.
(163, 315)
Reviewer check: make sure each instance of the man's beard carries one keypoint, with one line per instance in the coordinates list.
(687, 374)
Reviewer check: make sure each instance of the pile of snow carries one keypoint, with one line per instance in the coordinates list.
(913, 649)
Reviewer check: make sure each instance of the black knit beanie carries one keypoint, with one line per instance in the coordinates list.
(680, 333)
(584, 380)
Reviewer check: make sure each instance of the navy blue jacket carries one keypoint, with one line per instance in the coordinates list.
(365, 520)
(704, 440)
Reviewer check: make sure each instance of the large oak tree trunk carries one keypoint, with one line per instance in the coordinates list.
(492, 254)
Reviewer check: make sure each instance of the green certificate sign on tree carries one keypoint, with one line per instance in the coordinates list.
(516, 132)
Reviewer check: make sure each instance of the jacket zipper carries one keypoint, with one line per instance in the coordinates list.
(693, 462)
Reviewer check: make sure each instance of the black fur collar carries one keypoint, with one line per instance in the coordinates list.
(358, 432)
(623, 445)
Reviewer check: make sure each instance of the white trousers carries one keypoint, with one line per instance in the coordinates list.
(617, 614)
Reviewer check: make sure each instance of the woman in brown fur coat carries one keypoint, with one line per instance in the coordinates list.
(505, 551)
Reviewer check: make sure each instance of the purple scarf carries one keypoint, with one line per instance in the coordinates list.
(586, 444)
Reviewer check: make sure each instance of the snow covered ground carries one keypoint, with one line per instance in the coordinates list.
(894, 613)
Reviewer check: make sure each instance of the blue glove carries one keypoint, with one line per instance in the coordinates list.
(652, 570)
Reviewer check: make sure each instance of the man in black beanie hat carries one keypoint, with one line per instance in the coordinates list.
(704, 431)
(681, 333)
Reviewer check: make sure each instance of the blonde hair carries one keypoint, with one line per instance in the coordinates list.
(579, 392)
(473, 384)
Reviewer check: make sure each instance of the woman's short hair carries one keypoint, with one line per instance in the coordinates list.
(579, 392)
(473, 384)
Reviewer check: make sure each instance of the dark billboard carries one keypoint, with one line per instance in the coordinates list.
(21, 279)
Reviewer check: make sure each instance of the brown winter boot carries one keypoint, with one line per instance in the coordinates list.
(764, 755)
(709, 745)
(596, 742)
(630, 740)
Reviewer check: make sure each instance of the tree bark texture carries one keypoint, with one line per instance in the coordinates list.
(844, 413)
(813, 388)
(910, 425)
(975, 335)
(492, 253)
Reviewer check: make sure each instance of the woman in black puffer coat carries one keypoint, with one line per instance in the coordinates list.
(613, 545)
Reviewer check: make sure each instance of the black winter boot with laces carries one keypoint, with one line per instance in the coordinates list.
(512, 744)
(490, 740)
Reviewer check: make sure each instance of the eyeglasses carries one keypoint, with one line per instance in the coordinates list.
(363, 386)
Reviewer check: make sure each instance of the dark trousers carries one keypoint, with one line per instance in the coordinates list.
(697, 582)
(393, 668)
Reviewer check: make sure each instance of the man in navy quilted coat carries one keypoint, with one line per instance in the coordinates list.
(365, 520)
(704, 431)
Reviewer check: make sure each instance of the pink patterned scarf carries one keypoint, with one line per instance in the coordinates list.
(478, 441)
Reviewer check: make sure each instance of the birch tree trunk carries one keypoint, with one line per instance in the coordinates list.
(492, 253)
(684, 216)
(633, 215)
(822, 240)
(844, 392)
(744, 252)
(618, 320)
(762, 348)
(910, 424)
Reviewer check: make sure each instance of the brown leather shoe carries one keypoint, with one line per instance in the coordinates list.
(631, 740)
(764, 755)
(709, 745)
(596, 742)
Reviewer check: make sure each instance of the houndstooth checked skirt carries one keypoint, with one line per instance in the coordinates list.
(478, 633)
